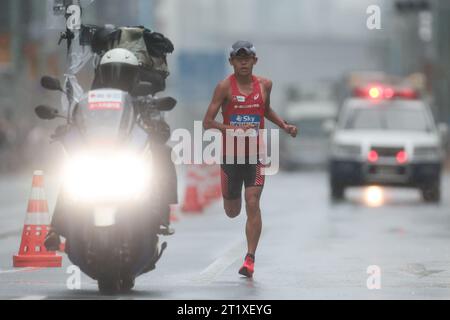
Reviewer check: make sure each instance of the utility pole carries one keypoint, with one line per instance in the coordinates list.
(408, 34)
(16, 31)
(38, 18)
(441, 74)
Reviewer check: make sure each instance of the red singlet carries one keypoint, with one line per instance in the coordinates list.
(244, 110)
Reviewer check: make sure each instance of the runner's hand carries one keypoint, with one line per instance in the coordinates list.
(245, 127)
(248, 127)
(291, 130)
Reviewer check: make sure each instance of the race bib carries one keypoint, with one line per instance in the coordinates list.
(243, 120)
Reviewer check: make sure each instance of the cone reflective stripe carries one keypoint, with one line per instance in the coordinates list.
(32, 252)
(37, 219)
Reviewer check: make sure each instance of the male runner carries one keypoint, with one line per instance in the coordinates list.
(245, 102)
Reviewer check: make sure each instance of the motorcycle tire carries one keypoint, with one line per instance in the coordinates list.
(109, 286)
(127, 284)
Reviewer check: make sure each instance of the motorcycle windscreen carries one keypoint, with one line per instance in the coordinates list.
(105, 117)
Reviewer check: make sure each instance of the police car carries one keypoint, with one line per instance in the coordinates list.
(387, 137)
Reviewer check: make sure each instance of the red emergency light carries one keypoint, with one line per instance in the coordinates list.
(402, 157)
(380, 92)
(372, 156)
(375, 93)
(407, 94)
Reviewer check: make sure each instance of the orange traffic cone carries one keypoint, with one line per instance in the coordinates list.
(32, 252)
(208, 185)
(210, 192)
(217, 183)
(205, 191)
(192, 202)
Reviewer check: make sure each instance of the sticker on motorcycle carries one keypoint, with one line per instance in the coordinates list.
(105, 100)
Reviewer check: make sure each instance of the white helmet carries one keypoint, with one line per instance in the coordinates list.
(119, 55)
(118, 69)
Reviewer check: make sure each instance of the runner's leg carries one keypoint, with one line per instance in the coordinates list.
(254, 220)
(232, 207)
(232, 181)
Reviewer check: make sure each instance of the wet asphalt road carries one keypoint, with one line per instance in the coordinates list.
(310, 249)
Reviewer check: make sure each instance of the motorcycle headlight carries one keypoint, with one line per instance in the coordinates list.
(117, 177)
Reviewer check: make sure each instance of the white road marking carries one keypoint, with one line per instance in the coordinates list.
(18, 270)
(31, 298)
(222, 263)
(10, 234)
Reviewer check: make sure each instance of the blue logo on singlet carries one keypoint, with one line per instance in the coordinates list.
(242, 120)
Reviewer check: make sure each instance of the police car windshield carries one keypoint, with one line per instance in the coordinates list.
(312, 127)
(387, 117)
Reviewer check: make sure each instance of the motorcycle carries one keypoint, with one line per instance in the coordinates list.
(111, 189)
(118, 178)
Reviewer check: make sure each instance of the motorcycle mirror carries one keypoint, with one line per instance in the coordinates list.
(142, 89)
(46, 112)
(165, 104)
(50, 83)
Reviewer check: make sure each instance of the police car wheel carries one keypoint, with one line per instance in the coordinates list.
(431, 194)
(337, 191)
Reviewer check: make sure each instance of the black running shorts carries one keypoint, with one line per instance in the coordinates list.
(235, 175)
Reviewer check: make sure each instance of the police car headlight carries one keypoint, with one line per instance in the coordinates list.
(427, 152)
(345, 150)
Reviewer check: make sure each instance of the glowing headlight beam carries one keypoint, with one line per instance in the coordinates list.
(113, 177)
(374, 196)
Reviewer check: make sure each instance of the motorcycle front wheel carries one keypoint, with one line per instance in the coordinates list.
(109, 286)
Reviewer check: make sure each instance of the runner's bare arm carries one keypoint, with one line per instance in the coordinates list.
(219, 98)
(271, 115)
